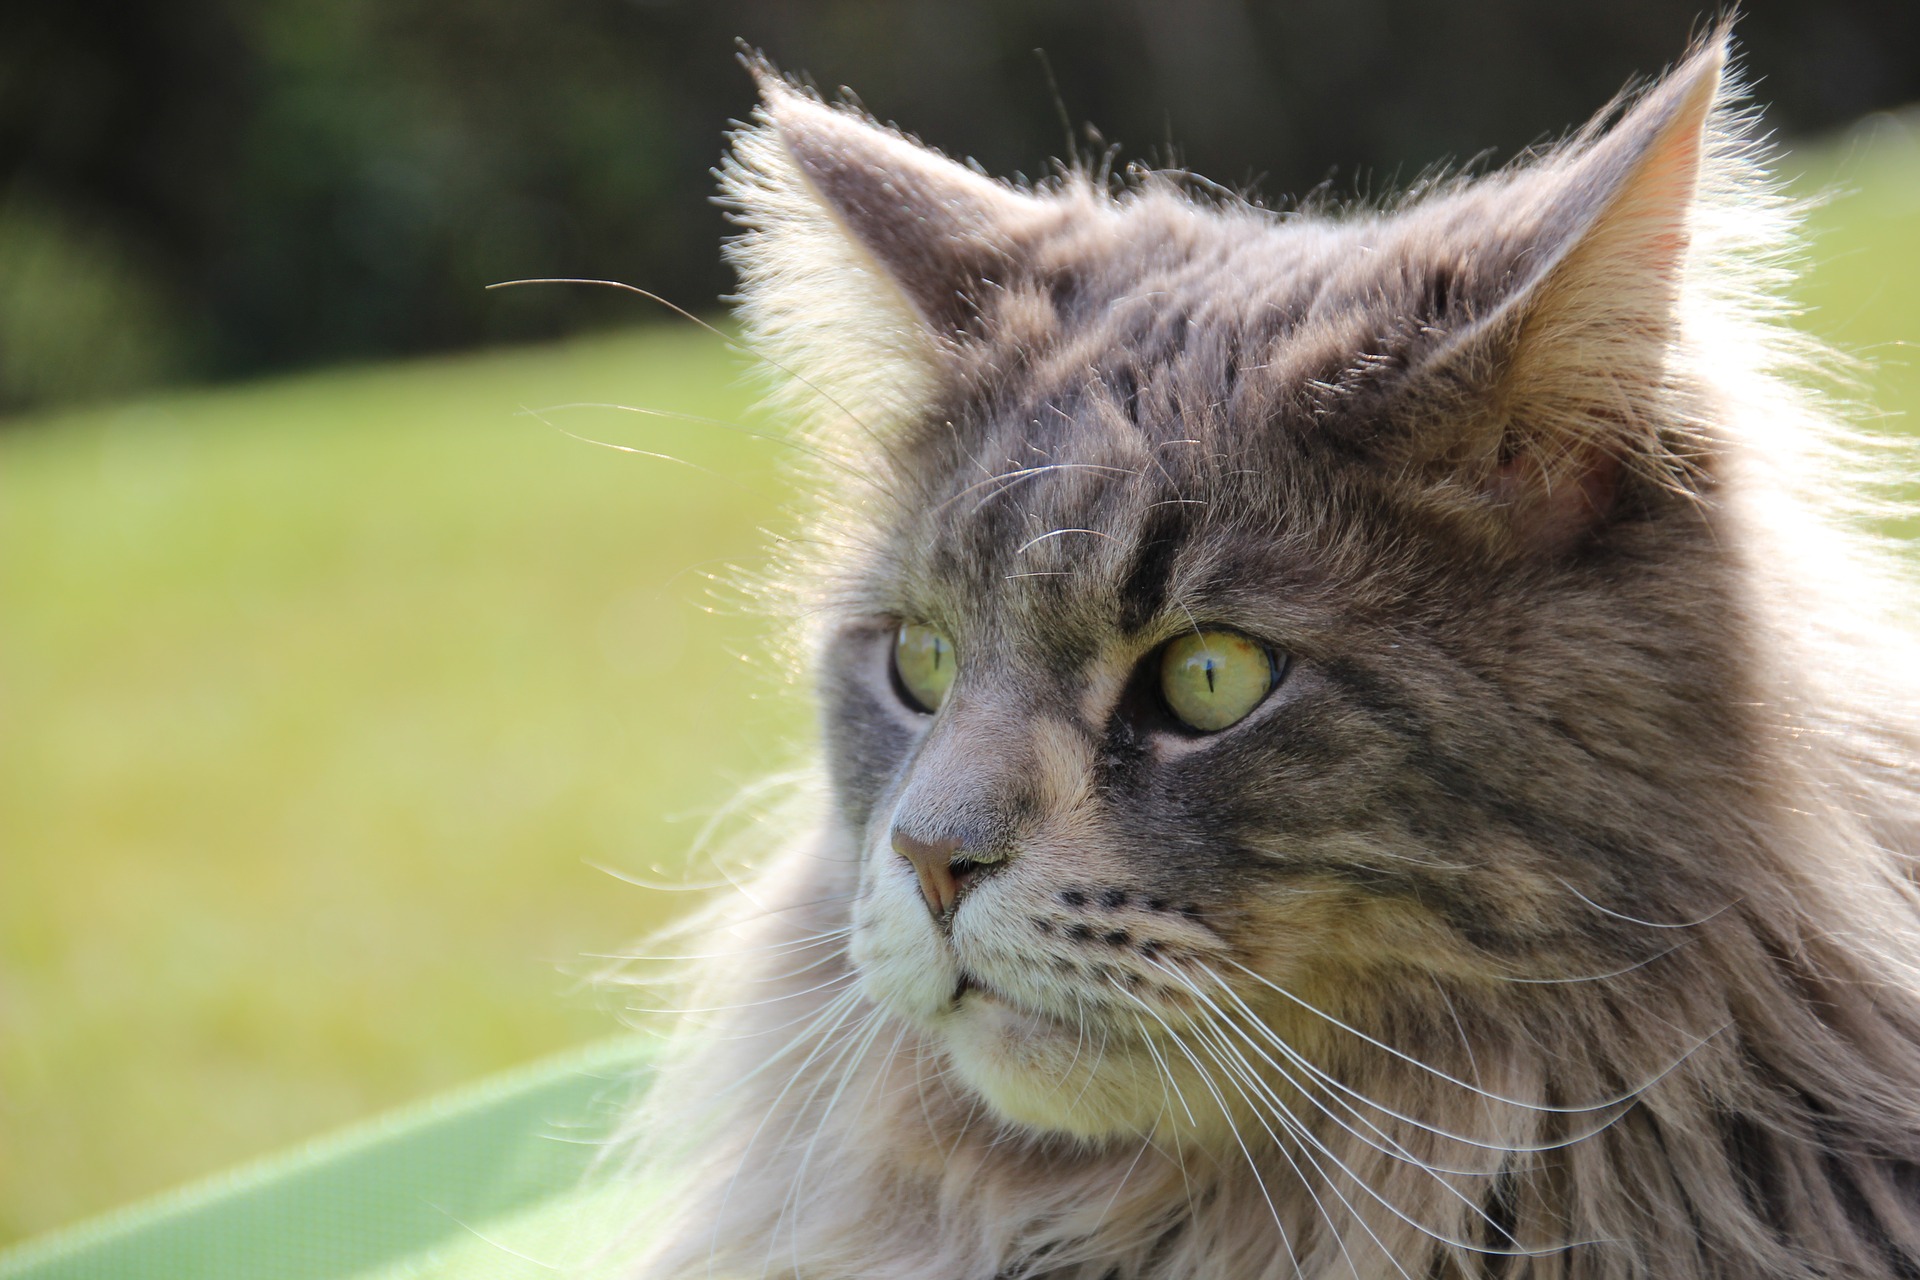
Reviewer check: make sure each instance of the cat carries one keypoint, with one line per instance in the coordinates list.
(1357, 743)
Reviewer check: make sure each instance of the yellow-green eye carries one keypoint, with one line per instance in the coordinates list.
(924, 660)
(1212, 679)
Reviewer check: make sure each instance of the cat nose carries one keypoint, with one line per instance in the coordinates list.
(942, 868)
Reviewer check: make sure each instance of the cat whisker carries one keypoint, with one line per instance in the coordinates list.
(1316, 1073)
(1079, 1042)
(880, 1073)
(841, 1009)
(800, 1112)
(1393, 1149)
(1093, 1071)
(1226, 1113)
(821, 1025)
(1236, 1062)
(761, 1033)
(771, 948)
(698, 420)
(1649, 924)
(1305, 1134)
(1119, 1186)
(1237, 1070)
(678, 979)
(666, 980)
(1008, 478)
(1147, 1040)
(731, 342)
(539, 415)
(1167, 1085)
(1033, 542)
(858, 1047)
(1466, 1045)
(1583, 1108)
(834, 981)
(1599, 977)
(1293, 1055)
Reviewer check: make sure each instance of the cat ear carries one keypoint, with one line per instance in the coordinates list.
(863, 253)
(1576, 360)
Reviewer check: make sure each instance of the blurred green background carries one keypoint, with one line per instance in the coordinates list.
(330, 681)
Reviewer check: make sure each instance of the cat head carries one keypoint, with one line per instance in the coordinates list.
(1230, 606)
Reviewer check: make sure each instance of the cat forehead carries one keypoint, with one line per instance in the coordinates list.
(1170, 406)
(1146, 281)
(1089, 515)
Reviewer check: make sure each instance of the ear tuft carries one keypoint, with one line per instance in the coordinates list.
(1574, 370)
(862, 254)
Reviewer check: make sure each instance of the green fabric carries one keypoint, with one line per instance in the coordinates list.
(491, 1182)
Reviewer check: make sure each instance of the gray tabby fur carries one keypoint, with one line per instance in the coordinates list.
(1554, 917)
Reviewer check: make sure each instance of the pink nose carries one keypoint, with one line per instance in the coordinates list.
(934, 862)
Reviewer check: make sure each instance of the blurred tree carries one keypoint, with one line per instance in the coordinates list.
(206, 188)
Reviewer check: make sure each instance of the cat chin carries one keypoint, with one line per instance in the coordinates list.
(1031, 1070)
(1044, 1076)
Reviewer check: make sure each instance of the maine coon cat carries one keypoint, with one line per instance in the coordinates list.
(1356, 744)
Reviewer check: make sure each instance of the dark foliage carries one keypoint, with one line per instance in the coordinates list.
(291, 181)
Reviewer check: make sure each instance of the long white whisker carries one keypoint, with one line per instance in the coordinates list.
(1007, 479)
(1080, 1040)
(1226, 1113)
(1600, 977)
(1055, 533)
(1165, 1071)
(1429, 1231)
(679, 979)
(1393, 1149)
(841, 1008)
(852, 1056)
(1168, 1085)
(1294, 1124)
(1648, 924)
(1432, 1070)
(1099, 1060)
(834, 981)
(1298, 1128)
(698, 420)
(732, 343)
(812, 940)
(1333, 1083)
(1119, 1187)
(834, 1008)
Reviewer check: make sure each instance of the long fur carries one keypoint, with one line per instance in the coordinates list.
(1589, 947)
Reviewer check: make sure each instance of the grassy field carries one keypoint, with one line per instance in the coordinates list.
(323, 698)
(321, 701)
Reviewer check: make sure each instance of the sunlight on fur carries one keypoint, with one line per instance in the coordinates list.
(1551, 913)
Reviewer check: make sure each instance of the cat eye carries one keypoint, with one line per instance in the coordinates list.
(923, 666)
(1213, 679)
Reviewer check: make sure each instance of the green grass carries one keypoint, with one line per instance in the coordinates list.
(319, 699)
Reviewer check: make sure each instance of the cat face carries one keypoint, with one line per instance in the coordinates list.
(1100, 848)
(1424, 478)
